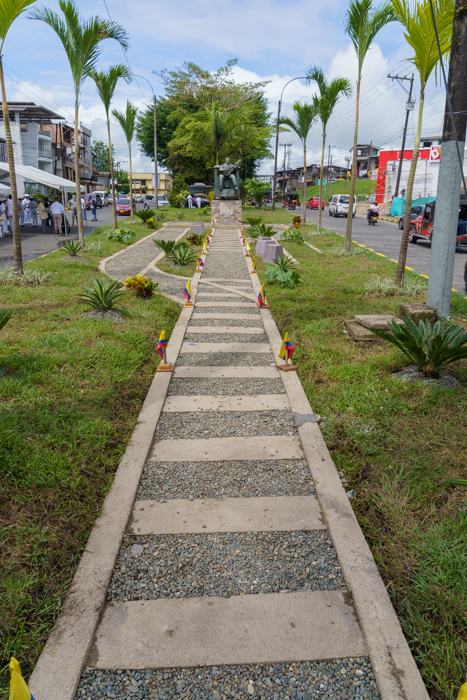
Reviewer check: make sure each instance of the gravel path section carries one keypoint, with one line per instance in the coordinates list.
(226, 359)
(168, 285)
(225, 564)
(253, 310)
(349, 679)
(225, 338)
(228, 479)
(219, 424)
(135, 259)
(229, 386)
(232, 322)
(226, 263)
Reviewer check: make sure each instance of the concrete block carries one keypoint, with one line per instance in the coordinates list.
(190, 404)
(226, 316)
(272, 251)
(224, 330)
(359, 332)
(197, 227)
(417, 312)
(233, 448)
(374, 321)
(187, 371)
(261, 243)
(225, 347)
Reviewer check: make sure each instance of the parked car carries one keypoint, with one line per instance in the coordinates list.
(139, 199)
(162, 201)
(103, 196)
(339, 205)
(313, 203)
(417, 210)
(123, 206)
(150, 200)
(422, 226)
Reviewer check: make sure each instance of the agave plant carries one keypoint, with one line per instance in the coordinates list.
(284, 272)
(4, 317)
(182, 255)
(145, 215)
(196, 238)
(254, 221)
(72, 248)
(103, 296)
(166, 246)
(429, 347)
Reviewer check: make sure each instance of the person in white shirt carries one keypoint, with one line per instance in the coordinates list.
(198, 201)
(33, 208)
(57, 211)
(83, 208)
(4, 215)
(26, 209)
(189, 199)
(373, 210)
(9, 211)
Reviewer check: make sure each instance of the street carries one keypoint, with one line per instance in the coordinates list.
(385, 238)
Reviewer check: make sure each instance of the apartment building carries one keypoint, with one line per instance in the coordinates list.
(143, 183)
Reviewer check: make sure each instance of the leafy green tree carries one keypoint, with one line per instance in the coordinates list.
(419, 32)
(257, 189)
(362, 24)
(106, 83)
(101, 155)
(167, 122)
(330, 92)
(178, 187)
(305, 115)
(9, 11)
(127, 121)
(81, 40)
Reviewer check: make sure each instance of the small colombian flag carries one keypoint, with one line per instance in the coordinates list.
(253, 264)
(462, 692)
(187, 290)
(262, 296)
(214, 219)
(200, 264)
(287, 348)
(162, 344)
(248, 247)
(18, 688)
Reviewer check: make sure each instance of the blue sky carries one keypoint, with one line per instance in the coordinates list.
(273, 40)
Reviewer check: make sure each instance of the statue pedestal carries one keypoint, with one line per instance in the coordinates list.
(227, 212)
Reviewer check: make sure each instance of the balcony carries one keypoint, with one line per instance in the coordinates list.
(3, 156)
(44, 152)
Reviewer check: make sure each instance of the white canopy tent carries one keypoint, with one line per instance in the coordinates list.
(5, 190)
(45, 178)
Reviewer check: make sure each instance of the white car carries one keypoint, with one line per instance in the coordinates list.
(103, 196)
(150, 201)
(339, 205)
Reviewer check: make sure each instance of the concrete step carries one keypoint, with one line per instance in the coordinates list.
(261, 402)
(177, 516)
(225, 329)
(225, 347)
(227, 304)
(226, 316)
(232, 448)
(228, 372)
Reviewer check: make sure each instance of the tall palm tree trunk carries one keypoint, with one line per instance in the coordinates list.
(321, 173)
(408, 194)
(304, 183)
(132, 209)
(348, 230)
(114, 203)
(17, 253)
(79, 210)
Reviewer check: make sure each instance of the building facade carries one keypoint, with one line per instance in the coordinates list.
(143, 183)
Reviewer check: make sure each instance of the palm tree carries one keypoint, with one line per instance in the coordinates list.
(106, 82)
(330, 93)
(127, 121)
(305, 115)
(419, 32)
(81, 40)
(9, 11)
(362, 24)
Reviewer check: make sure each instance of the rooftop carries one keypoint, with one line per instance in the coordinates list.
(29, 111)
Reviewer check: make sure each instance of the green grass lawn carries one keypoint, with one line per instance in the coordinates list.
(362, 187)
(71, 389)
(394, 442)
(182, 270)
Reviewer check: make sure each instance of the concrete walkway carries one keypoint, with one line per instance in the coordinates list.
(228, 562)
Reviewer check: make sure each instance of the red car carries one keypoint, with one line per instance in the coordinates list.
(123, 206)
(313, 203)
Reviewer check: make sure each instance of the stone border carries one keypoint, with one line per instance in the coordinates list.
(396, 673)
(57, 673)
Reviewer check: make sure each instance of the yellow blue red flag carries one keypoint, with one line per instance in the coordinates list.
(187, 290)
(262, 296)
(254, 262)
(287, 348)
(462, 692)
(200, 262)
(162, 344)
(18, 688)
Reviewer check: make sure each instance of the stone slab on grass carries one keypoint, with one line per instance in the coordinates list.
(374, 320)
(358, 332)
(417, 312)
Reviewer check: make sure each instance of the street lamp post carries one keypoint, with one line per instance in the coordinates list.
(156, 201)
(273, 197)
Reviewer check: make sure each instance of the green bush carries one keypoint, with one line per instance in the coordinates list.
(122, 235)
(145, 215)
(4, 318)
(72, 248)
(429, 347)
(284, 272)
(179, 186)
(142, 286)
(196, 238)
(294, 235)
(103, 296)
(166, 246)
(182, 254)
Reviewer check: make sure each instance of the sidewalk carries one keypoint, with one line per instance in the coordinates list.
(228, 562)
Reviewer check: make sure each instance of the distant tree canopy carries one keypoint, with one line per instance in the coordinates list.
(204, 118)
(101, 155)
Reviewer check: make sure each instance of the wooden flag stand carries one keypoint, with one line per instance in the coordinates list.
(188, 303)
(165, 366)
(286, 367)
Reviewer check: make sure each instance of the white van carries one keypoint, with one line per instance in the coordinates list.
(104, 197)
(339, 205)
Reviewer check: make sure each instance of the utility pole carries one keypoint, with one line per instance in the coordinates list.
(409, 108)
(156, 199)
(451, 175)
(285, 145)
(329, 179)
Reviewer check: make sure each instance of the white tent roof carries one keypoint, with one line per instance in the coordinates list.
(36, 175)
(5, 189)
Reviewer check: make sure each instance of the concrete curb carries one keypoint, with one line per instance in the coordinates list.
(58, 670)
(396, 673)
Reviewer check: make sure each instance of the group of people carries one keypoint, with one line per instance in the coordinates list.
(50, 213)
(190, 200)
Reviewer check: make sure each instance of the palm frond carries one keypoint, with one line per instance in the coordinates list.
(106, 82)
(330, 92)
(305, 115)
(9, 11)
(363, 22)
(127, 120)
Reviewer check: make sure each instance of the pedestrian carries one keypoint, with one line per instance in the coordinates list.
(83, 207)
(57, 212)
(9, 211)
(21, 212)
(403, 192)
(43, 214)
(94, 208)
(189, 199)
(50, 221)
(74, 210)
(4, 215)
(33, 209)
(198, 202)
(26, 210)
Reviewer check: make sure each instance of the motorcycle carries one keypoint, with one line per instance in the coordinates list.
(372, 218)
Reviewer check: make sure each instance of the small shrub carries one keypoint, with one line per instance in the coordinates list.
(142, 286)
(180, 215)
(293, 235)
(93, 247)
(145, 215)
(297, 220)
(284, 272)
(72, 248)
(182, 255)
(196, 238)
(255, 222)
(103, 296)
(166, 246)
(429, 347)
(121, 235)
(339, 251)
(4, 317)
(32, 277)
(159, 216)
(386, 287)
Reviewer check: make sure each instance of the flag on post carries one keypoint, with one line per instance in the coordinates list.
(187, 291)
(262, 296)
(462, 692)
(200, 262)
(253, 264)
(287, 348)
(214, 219)
(18, 688)
(162, 344)
(204, 252)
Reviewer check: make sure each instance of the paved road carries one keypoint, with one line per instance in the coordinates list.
(36, 244)
(385, 238)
